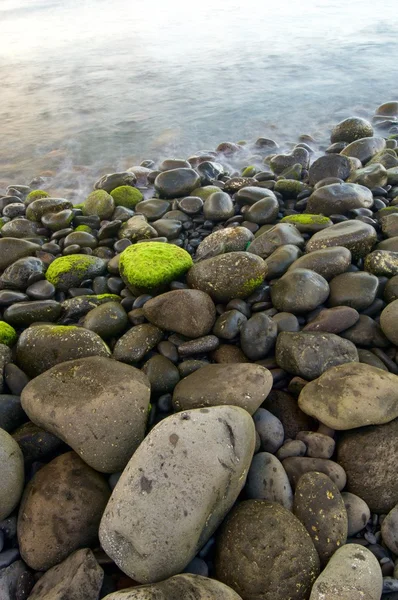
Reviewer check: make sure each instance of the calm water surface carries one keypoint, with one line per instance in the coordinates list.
(108, 83)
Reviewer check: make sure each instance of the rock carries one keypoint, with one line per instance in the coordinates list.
(319, 506)
(285, 407)
(24, 314)
(263, 211)
(108, 320)
(113, 180)
(258, 336)
(202, 345)
(333, 320)
(180, 586)
(69, 271)
(318, 445)
(136, 343)
(354, 235)
(267, 480)
(22, 273)
(269, 429)
(369, 456)
(177, 182)
(388, 109)
(228, 276)
(188, 312)
(307, 223)
(358, 512)
(78, 577)
(327, 262)
(357, 290)
(365, 148)
(371, 176)
(244, 385)
(153, 209)
(99, 203)
(351, 395)
(230, 239)
(280, 162)
(367, 357)
(291, 448)
(37, 209)
(389, 322)
(389, 530)
(351, 129)
(162, 374)
(152, 265)
(127, 196)
(37, 445)
(19, 228)
(12, 249)
(280, 559)
(137, 228)
(9, 579)
(382, 262)
(77, 400)
(11, 474)
(279, 261)
(206, 452)
(40, 347)
(228, 325)
(366, 332)
(352, 572)
(299, 291)
(11, 412)
(330, 165)
(249, 195)
(60, 511)
(8, 337)
(218, 207)
(339, 198)
(281, 234)
(309, 354)
(297, 466)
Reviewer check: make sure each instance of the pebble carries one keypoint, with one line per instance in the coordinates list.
(358, 512)
(299, 291)
(267, 480)
(11, 474)
(270, 430)
(297, 466)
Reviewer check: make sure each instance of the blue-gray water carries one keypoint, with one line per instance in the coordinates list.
(108, 83)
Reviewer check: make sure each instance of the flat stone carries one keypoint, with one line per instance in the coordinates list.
(299, 291)
(328, 262)
(333, 320)
(266, 243)
(330, 165)
(339, 198)
(356, 236)
(297, 466)
(357, 289)
(365, 148)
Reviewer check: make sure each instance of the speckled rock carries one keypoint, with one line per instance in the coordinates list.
(327, 262)
(389, 322)
(267, 480)
(297, 466)
(365, 148)
(351, 129)
(264, 244)
(354, 235)
(206, 452)
(280, 560)
(382, 262)
(245, 385)
(339, 198)
(136, 343)
(351, 395)
(230, 239)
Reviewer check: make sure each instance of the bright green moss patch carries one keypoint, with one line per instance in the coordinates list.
(306, 219)
(204, 192)
(100, 204)
(127, 196)
(250, 285)
(79, 206)
(249, 171)
(69, 271)
(8, 335)
(151, 265)
(2, 223)
(85, 228)
(289, 188)
(36, 195)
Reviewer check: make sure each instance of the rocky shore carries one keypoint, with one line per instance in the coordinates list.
(199, 376)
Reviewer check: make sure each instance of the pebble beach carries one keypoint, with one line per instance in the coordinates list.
(199, 375)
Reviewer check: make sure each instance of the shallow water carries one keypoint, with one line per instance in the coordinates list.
(94, 82)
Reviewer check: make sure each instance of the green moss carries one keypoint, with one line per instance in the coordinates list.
(8, 335)
(249, 171)
(60, 329)
(127, 196)
(2, 223)
(79, 206)
(151, 265)
(306, 219)
(107, 297)
(36, 195)
(85, 228)
(250, 285)
(69, 271)
(289, 188)
(99, 203)
(204, 192)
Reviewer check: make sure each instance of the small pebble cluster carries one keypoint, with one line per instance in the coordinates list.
(199, 376)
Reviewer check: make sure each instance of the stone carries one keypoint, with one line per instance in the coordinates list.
(162, 374)
(309, 354)
(371, 176)
(228, 276)
(218, 207)
(9, 579)
(307, 223)
(60, 511)
(8, 335)
(351, 395)
(181, 586)
(280, 260)
(244, 385)
(136, 343)
(382, 262)
(19, 228)
(352, 572)
(228, 325)
(108, 320)
(299, 291)
(269, 429)
(258, 336)
(297, 466)
(152, 265)
(280, 162)
(328, 262)
(11, 474)
(127, 196)
(113, 180)
(318, 445)
(389, 530)
(351, 129)
(180, 483)
(12, 249)
(188, 312)
(263, 211)
(230, 239)
(339, 198)
(366, 332)
(77, 400)
(70, 271)
(285, 407)
(24, 314)
(153, 209)
(320, 507)
(330, 165)
(333, 320)
(389, 322)
(267, 480)
(365, 148)
(22, 273)
(176, 183)
(11, 412)
(358, 513)
(137, 228)
(280, 559)
(40, 347)
(281, 234)
(357, 290)
(37, 209)
(78, 577)
(356, 236)
(99, 203)
(291, 448)
(369, 456)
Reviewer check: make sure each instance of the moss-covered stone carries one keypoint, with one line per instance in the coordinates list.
(8, 335)
(127, 196)
(99, 203)
(249, 171)
(79, 206)
(38, 208)
(290, 188)
(85, 228)
(2, 222)
(36, 195)
(152, 265)
(307, 223)
(204, 192)
(69, 271)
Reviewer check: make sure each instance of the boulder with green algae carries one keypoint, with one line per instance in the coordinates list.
(85, 228)
(8, 335)
(36, 195)
(205, 191)
(152, 265)
(99, 203)
(308, 223)
(127, 196)
(75, 308)
(69, 271)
